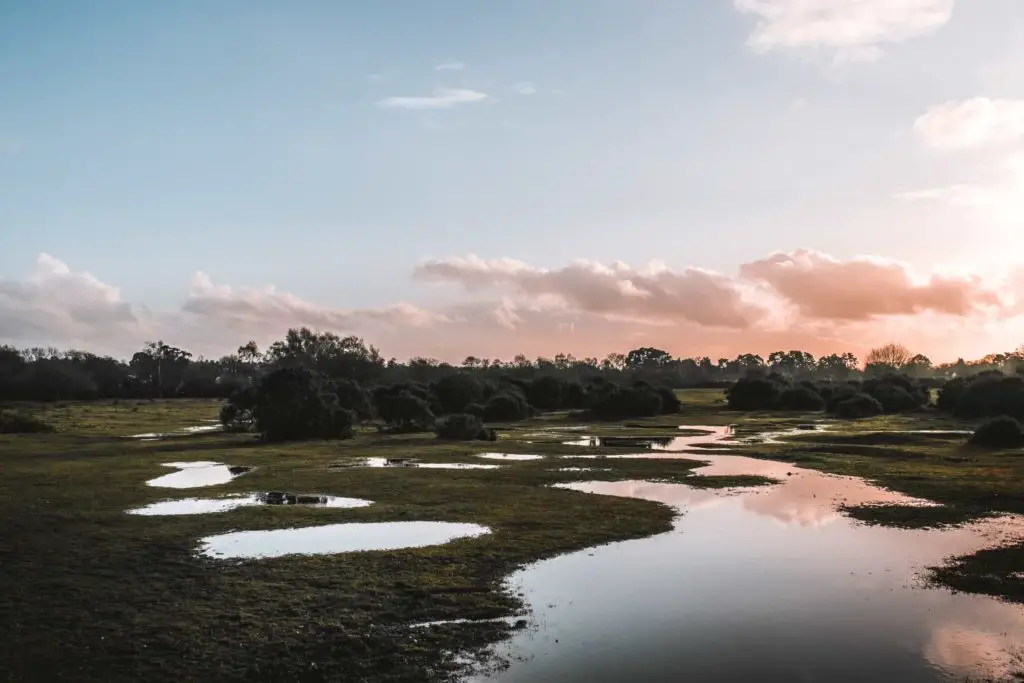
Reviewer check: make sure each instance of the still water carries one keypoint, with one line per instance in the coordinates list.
(335, 538)
(763, 584)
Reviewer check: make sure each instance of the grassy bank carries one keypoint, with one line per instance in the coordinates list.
(94, 594)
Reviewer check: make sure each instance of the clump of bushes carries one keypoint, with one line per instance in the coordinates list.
(17, 422)
(290, 403)
(891, 393)
(988, 394)
(801, 398)
(463, 427)
(999, 432)
(507, 406)
(856, 406)
(405, 408)
(754, 393)
(614, 402)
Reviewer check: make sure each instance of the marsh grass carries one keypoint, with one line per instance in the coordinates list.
(94, 594)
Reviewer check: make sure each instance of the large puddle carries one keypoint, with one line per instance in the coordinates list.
(335, 538)
(202, 506)
(213, 426)
(192, 475)
(411, 462)
(509, 456)
(695, 439)
(763, 584)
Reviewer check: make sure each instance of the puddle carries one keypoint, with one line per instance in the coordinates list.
(184, 431)
(762, 584)
(335, 538)
(583, 469)
(202, 506)
(509, 456)
(196, 474)
(696, 439)
(408, 462)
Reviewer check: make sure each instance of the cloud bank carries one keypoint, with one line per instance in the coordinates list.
(854, 30)
(500, 307)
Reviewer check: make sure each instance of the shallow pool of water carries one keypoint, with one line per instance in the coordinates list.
(335, 538)
(201, 506)
(393, 462)
(195, 474)
(696, 439)
(509, 456)
(764, 584)
(184, 431)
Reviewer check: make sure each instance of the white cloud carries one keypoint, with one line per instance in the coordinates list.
(525, 88)
(442, 98)
(970, 124)
(798, 104)
(855, 29)
(656, 294)
(450, 66)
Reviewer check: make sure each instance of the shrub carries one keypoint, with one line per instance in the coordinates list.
(999, 432)
(800, 398)
(505, 407)
(753, 393)
(405, 412)
(615, 402)
(463, 427)
(988, 394)
(858, 405)
(16, 422)
(295, 403)
(670, 403)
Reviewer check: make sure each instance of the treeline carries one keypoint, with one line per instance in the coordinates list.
(160, 370)
(987, 394)
(295, 402)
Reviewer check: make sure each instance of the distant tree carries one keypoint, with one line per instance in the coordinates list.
(891, 356)
(647, 358)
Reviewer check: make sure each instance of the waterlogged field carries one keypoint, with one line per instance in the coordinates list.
(809, 573)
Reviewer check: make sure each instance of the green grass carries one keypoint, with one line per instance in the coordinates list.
(93, 594)
(123, 597)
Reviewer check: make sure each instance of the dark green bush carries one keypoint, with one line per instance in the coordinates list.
(999, 432)
(17, 422)
(800, 398)
(463, 427)
(857, 406)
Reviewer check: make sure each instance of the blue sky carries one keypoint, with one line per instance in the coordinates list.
(143, 142)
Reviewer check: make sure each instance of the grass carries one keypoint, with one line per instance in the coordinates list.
(124, 597)
(93, 594)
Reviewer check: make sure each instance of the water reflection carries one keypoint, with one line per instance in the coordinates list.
(201, 506)
(197, 474)
(409, 462)
(762, 584)
(509, 456)
(335, 538)
(688, 442)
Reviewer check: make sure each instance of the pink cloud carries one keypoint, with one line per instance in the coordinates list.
(863, 288)
(799, 300)
(657, 293)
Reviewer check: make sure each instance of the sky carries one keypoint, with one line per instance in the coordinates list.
(459, 178)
